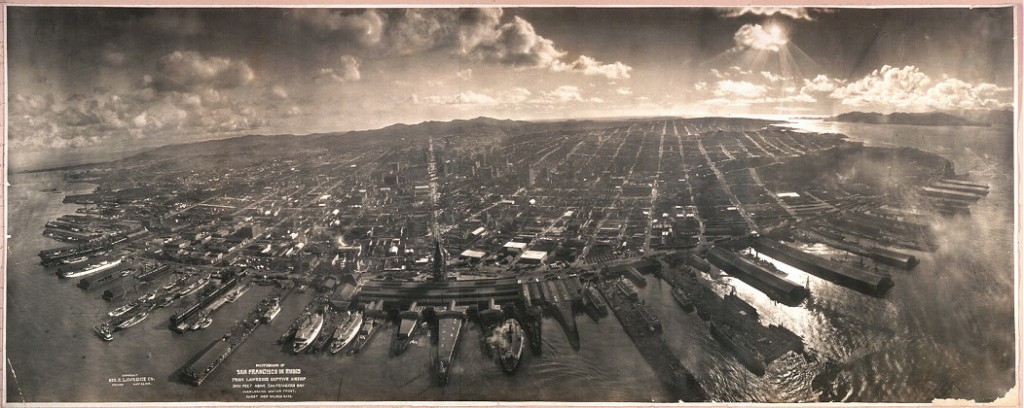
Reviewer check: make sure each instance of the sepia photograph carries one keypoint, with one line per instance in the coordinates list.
(660, 204)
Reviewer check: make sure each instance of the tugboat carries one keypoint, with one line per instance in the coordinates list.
(509, 338)
(308, 331)
(104, 331)
(346, 332)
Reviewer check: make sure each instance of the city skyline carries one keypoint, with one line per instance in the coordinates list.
(84, 78)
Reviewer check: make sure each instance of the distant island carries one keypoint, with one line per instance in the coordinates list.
(945, 118)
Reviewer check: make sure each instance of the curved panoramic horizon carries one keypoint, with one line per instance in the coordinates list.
(750, 204)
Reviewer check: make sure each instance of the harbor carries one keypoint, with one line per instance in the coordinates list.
(347, 302)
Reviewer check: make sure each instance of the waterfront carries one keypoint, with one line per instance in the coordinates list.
(946, 329)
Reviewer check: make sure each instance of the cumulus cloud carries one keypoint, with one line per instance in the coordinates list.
(822, 84)
(278, 92)
(190, 70)
(773, 77)
(589, 66)
(472, 33)
(907, 88)
(560, 95)
(414, 30)
(516, 95)
(465, 74)
(364, 27)
(471, 98)
(477, 26)
(518, 44)
(743, 89)
(462, 98)
(346, 71)
(565, 93)
(755, 37)
(40, 122)
(737, 87)
(796, 13)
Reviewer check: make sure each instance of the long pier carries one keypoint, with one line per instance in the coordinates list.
(679, 380)
(209, 359)
(861, 280)
(560, 298)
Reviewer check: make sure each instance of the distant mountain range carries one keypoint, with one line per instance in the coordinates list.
(938, 118)
(481, 129)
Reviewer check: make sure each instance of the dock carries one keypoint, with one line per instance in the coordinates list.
(679, 380)
(210, 358)
(559, 298)
(449, 328)
(770, 282)
(734, 317)
(861, 280)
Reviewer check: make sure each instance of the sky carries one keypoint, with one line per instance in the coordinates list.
(92, 78)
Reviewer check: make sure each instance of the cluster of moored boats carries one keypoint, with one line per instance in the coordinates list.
(325, 330)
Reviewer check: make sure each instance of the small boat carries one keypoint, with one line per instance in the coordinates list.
(75, 260)
(133, 321)
(122, 310)
(147, 297)
(104, 331)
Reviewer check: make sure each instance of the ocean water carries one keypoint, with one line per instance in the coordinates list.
(945, 329)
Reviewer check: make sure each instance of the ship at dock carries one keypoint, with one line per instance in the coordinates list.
(449, 327)
(90, 269)
(346, 332)
(594, 303)
(373, 318)
(57, 256)
(308, 331)
(682, 299)
(272, 310)
(133, 320)
(736, 343)
(508, 338)
(204, 363)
